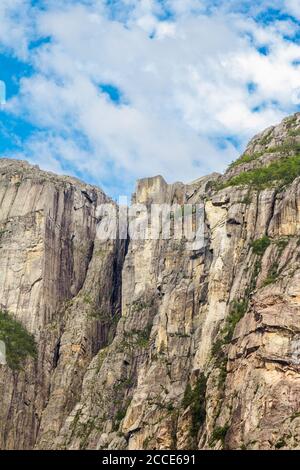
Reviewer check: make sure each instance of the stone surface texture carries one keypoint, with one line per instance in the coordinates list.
(123, 327)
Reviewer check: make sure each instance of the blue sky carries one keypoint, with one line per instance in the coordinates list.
(114, 90)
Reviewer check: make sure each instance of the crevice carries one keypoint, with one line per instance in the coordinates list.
(56, 354)
(272, 210)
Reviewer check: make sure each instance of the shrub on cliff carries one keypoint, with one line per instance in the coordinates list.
(19, 343)
(195, 399)
(260, 245)
(278, 173)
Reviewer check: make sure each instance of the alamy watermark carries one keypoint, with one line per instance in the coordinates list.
(295, 350)
(152, 222)
(2, 353)
(296, 96)
(2, 93)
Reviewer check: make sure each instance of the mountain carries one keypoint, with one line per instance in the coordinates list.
(149, 344)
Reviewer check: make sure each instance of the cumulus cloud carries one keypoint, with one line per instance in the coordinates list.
(16, 27)
(293, 6)
(194, 86)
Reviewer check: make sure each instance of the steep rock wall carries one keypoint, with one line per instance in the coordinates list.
(169, 347)
(48, 280)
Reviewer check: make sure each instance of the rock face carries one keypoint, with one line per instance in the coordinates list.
(149, 344)
(52, 279)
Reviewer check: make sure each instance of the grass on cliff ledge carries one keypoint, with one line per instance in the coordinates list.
(290, 146)
(260, 245)
(18, 342)
(281, 172)
(195, 399)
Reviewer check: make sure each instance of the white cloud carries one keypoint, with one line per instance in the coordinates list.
(185, 89)
(293, 6)
(16, 26)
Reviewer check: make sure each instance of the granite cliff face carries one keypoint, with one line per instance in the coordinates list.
(148, 344)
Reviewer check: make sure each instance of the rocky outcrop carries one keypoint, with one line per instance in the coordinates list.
(52, 280)
(153, 344)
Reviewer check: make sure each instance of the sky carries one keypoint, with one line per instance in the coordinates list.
(115, 90)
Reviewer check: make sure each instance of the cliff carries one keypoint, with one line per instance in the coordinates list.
(147, 344)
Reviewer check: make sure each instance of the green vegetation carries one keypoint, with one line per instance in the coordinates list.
(219, 434)
(222, 373)
(140, 305)
(246, 158)
(267, 138)
(82, 430)
(282, 244)
(238, 310)
(272, 275)
(216, 349)
(120, 415)
(295, 415)
(101, 315)
(123, 384)
(279, 444)
(137, 338)
(143, 337)
(87, 299)
(291, 121)
(195, 399)
(2, 232)
(294, 132)
(19, 343)
(281, 172)
(274, 271)
(260, 245)
(146, 442)
(247, 199)
(100, 359)
(290, 146)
